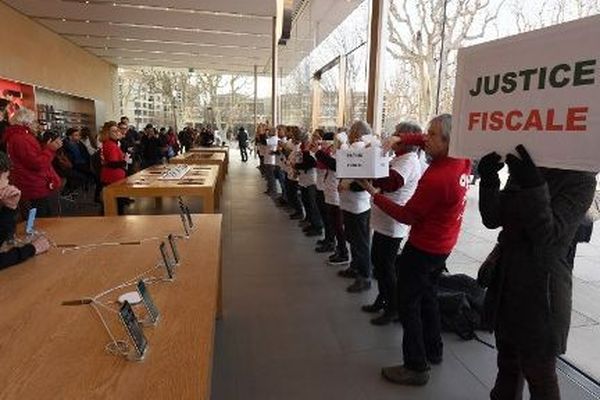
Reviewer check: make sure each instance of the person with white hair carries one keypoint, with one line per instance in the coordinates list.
(434, 213)
(32, 170)
(356, 206)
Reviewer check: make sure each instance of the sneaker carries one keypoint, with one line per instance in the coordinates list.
(359, 285)
(403, 376)
(336, 259)
(383, 319)
(325, 248)
(348, 273)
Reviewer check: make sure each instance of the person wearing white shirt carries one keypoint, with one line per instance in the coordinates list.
(292, 150)
(327, 244)
(270, 161)
(307, 180)
(356, 206)
(280, 172)
(325, 156)
(404, 174)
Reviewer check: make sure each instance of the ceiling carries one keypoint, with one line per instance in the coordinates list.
(216, 35)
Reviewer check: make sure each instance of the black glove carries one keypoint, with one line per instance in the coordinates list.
(522, 170)
(488, 168)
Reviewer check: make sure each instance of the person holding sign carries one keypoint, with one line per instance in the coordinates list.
(528, 302)
(404, 174)
(434, 213)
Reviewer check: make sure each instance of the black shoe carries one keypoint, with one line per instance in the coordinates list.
(311, 232)
(383, 319)
(359, 285)
(372, 308)
(321, 242)
(404, 376)
(336, 259)
(325, 248)
(436, 360)
(303, 224)
(296, 216)
(347, 273)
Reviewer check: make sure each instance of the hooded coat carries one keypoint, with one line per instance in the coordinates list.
(528, 303)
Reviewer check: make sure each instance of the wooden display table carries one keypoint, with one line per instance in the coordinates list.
(50, 351)
(216, 149)
(204, 158)
(202, 181)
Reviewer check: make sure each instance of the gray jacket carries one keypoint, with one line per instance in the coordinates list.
(529, 300)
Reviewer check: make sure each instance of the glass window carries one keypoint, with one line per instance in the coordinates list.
(329, 85)
(355, 99)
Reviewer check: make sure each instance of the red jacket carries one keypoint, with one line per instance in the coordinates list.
(113, 163)
(32, 170)
(436, 209)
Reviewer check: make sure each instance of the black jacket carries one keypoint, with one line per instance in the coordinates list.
(529, 299)
(7, 229)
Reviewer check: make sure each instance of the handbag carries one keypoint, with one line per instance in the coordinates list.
(488, 267)
(593, 213)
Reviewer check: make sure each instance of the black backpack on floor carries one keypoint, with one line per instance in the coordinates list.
(460, 299)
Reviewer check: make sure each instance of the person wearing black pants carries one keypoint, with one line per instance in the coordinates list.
(307, 179)
(434, 213)
(418, 275)
(335, 218)
(357, 231)
(328, 243)
(242, 138)
(384, 250)
(399, 186)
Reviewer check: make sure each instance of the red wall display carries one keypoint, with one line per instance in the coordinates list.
(14, 95)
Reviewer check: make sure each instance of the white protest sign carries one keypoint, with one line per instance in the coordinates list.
(366, 162)
(540, 89)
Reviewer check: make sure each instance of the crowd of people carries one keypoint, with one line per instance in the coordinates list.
(398, 230)
(361, 224)
(41, 167)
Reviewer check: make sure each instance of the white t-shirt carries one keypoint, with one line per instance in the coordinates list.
(294, 157)
(307, 178)
(409, 167)
(330, 188)
(354, 202)
(270, 159)
(281, 159)
(321, 179)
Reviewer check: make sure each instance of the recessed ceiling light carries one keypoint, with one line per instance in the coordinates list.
(63, 19)
(87, 21)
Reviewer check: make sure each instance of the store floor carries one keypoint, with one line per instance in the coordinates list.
(290, 330)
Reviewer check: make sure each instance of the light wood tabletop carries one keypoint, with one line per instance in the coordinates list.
(215, 149)
(201, 181)
(50, 351)
(204, 158)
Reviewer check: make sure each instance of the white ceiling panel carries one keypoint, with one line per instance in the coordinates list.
(223, 34)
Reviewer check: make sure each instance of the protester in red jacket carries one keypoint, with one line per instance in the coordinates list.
(32, 170)
(435, 214)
